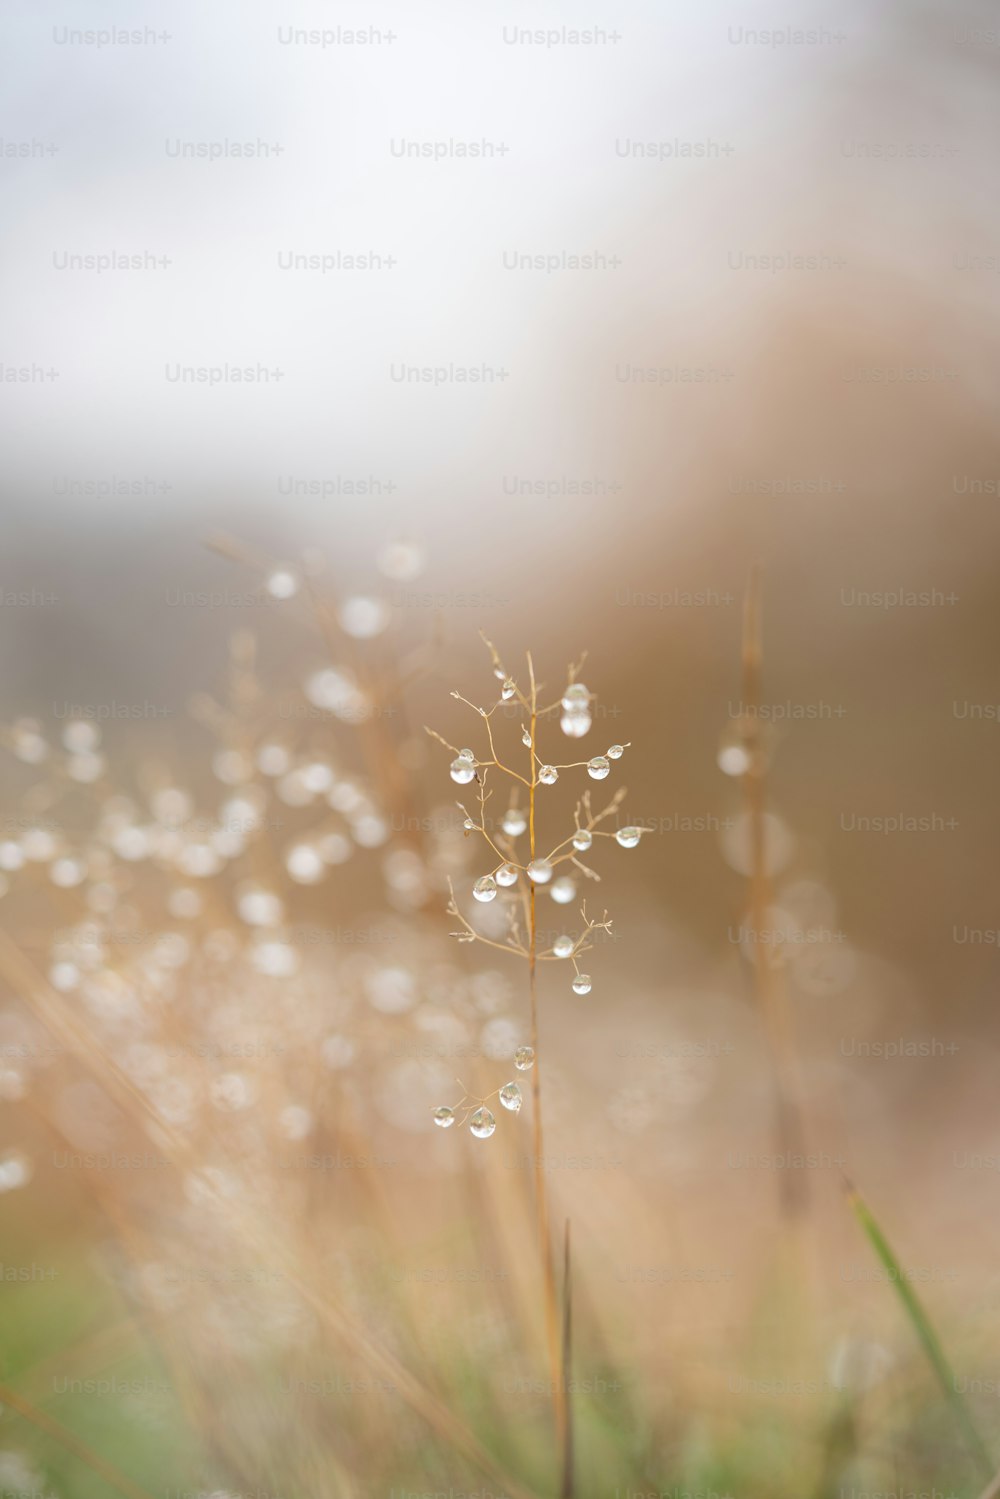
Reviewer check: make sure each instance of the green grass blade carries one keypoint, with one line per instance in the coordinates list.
(925, 1332)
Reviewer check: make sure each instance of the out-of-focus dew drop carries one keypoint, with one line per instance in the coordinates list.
(273, 759)
(305, 864)
(231, 1092)
(391, 990)
(274, 959)
(259, 907)
(232, 767)
(338, 1052)
(171, 806)
(737, 848)
(282, 583)
(39, 845)
(401, 561)
(858, 1365)
(185, 903)
(406, 878)
(363, 616)
(28, 742)
(15, 1170)
(80, 736)
(67, 872)
(296, 1122)
(335, 690)
(498, 1038)
(11, 854)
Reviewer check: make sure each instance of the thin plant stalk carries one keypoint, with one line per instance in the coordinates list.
(541, 1193)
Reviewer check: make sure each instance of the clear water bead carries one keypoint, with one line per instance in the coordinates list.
(563, 890)
(582, 839)
(462, 771)
(628, 837)
(548, 775)
(598, 768)
(483, 1123)
(508, 690)
(468, 825)
(444, 1117)
(563, 946)
(526, 738)
(485, 889)
(574, 725)
(540, 871)
(524, 1058)
(467, 754)
(510, 1097)
(615, 751)
(575, 697)
(506, 875)
(514, 822)
(581, 984)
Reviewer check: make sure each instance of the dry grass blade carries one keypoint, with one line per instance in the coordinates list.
(112, 1475)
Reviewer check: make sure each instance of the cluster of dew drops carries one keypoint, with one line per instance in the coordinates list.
(474, 1111)
(575, 721)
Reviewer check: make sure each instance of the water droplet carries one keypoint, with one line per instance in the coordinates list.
(526, 738)
(563, 890)
(466, 754)
(506, 875)
(283, 583)
(510, 1097)
(598, 768)
(575, 697)
(581, 984)
(540, 871)
(444, 1117)
(469, 825)
(574, 725)
(548, 775)
(582, 839)
(482, 1124)
(563, 946)
(363, 617)
(514, 822)
(485, 889)
(524, 1058)
(508, 690)
(462, 771)
(615, 751)
(628, 837)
